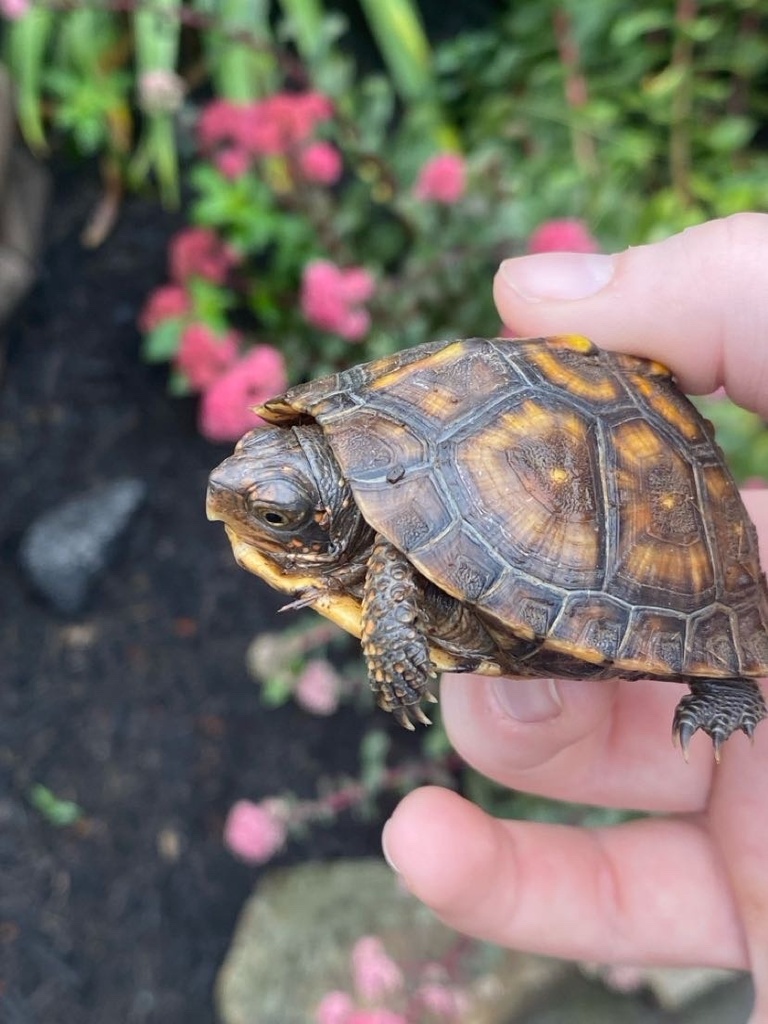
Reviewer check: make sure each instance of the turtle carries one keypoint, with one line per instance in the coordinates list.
(520, 507)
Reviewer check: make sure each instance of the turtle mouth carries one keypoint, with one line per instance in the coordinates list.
(214, 498)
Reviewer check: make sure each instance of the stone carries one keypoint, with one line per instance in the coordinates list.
(65, 551)
(293, 941)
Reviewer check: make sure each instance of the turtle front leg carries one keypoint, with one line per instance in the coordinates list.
(719, 707)
(393, 639)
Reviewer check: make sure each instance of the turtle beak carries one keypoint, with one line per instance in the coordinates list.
(217, 499)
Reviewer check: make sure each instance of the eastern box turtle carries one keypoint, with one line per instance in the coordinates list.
(533, 507)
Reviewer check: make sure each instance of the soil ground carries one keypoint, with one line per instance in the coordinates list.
(140, 710)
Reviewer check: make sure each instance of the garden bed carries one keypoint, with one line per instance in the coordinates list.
(140, 710)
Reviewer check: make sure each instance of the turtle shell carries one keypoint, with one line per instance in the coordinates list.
(573, 497)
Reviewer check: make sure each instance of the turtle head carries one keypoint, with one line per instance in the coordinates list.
(282, 492)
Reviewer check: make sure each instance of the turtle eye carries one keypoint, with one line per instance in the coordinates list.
(273, 518)
(279, 506)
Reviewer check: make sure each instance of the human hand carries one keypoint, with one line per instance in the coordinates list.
(687, 888)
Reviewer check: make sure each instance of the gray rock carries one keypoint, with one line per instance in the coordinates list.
(65, 551)
(294, 938)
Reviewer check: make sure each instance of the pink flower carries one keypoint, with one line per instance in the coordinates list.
(160, 91)
(442, 179)
(317, 688)
(225, 409)
(331, 298)
(335, 1008)
(269, 127)
(321, 162)
(221, 121)
(566, 235)
(256, 832)
(376, 1017)
(233, 161)
(203, 357)
(199, 252)
(163, 304)
(442, 1000)
(14, 9)
(375, 972)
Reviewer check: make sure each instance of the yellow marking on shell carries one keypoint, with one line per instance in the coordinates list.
(594, 657)
(669, 407)
(638, 439)
(391, 377)
(558, 475)
(559, 373)
(575, 342)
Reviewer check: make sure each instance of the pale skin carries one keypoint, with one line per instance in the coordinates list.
(690, 888)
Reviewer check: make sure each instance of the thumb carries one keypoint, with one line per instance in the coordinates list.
(697, 301)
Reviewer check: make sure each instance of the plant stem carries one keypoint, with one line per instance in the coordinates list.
(576, 91)
(682, 101)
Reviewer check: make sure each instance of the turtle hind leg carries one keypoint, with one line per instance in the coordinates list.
(719, 707)
(393, 638)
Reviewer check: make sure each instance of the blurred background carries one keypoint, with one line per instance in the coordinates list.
(202, 202)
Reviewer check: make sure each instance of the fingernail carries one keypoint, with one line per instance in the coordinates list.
(385, 849)
(557, 275)
(528, 700)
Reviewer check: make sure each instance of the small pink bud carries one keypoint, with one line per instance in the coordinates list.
(163, 304)
(375, 972)
(566, 235)
(317, 688)
(203, 356)
(321, 162)
(335, 1008)
(256, 832)
(442, 179)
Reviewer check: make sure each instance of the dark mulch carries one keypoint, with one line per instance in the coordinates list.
(140, 710)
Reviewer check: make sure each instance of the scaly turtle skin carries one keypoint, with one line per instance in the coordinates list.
(520, 507)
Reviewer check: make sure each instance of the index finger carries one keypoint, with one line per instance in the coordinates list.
(697, 301)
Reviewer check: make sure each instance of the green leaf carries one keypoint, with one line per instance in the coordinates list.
(731, 134)
(178, 385)
(56, 811)
(162, 342)
(630, 27)
(28, 41)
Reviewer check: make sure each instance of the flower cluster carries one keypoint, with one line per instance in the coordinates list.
(256, 832)
(211, 361)
(237, 136)
(378, 979)
(332, 298)
(442, 179)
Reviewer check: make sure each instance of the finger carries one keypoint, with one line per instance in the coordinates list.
(611, 744)
(594, 742)
(650, 891)
(738, 821)
(697, 301)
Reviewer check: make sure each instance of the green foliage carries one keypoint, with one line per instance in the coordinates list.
(56, 811)
(642, 121)
(743, 437)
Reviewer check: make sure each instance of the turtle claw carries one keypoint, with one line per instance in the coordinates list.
(401, 716)
(719, 707)
(406, 714)
(682, 733)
